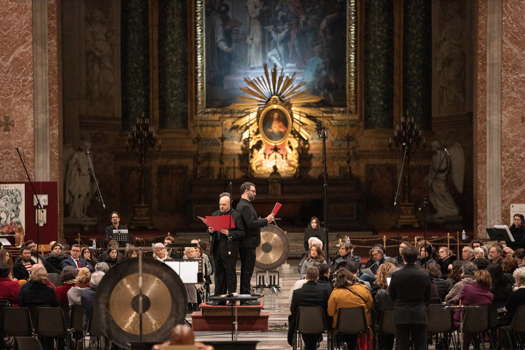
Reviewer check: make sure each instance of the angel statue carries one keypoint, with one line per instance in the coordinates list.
(448, 166)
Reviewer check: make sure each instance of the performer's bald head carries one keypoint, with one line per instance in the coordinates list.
(224, 202)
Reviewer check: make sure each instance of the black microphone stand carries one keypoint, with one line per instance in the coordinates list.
(321, 131)
(39, 206)
(401, 173)
(92, 169)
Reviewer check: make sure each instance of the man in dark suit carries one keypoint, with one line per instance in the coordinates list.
(75, 260)
(310, 294)
(225, 247)
(410, 291)
(252, 233)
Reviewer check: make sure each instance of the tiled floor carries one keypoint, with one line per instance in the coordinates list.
(279, 308)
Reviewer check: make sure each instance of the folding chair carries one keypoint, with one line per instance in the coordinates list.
(350, 321)
(312, 320)
(28, 343)
(51, 323)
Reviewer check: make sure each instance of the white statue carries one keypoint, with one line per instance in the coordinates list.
(254, 38)
(276, 54)
(447, 163)
(78, 184)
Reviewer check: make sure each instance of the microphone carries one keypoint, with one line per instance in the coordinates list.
(445, 149)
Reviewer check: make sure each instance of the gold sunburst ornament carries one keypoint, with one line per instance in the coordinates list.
(275, 118)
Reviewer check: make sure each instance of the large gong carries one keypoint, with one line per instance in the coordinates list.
(117, 302)
(272, 252)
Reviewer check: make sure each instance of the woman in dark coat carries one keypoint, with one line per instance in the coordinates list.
(37, 292)
(313, 230)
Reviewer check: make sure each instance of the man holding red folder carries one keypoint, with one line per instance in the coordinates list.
(252, 236)
(226, 234)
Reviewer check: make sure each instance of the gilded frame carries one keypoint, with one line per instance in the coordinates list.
(262, 116)
(352, 65)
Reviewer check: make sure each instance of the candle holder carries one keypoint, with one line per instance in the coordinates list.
(142, 140)
(407, 137)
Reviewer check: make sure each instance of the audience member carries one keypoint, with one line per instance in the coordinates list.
(36, 291)
(74, 259)
(132, 252)
(89, 256)
(349, 292)
(425, 258)
(440, 287)
(446, 258)
(477, 293)
(517, 298)
(377, 257)
(399, 258)
(383, 302)
(53, 262)
(476, 244)
(160, 253)
(479, 253)
(410, 290)
(495, 254)
(35, 257)
(9, 289)
(467, 253)
(481, 263)
(181, 335)
(315, 258)
(102, 266)
(112, 257)
(23, 265)
(324, 277)
(87, 295)
(501, 285)
(310, 294)
(467, 277)
(519, 255)
(82, 282)
(344, 255)
(67, 278)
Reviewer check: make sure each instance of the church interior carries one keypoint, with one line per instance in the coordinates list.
(383, 121)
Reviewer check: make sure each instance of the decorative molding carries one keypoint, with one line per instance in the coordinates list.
(494, 40)
(41, 91)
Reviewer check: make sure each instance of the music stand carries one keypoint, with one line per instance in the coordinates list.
(500, 233)
(232, 299)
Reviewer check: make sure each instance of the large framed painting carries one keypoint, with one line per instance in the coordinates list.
(315, 40)
(12, 207)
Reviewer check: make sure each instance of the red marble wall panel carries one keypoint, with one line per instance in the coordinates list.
(512, 106)
(16, 88)
(480, 117)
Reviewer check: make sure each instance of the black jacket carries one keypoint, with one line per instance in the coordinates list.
(410, 291)
(37, 294)
(20, 271)
(252, 224)
(310, 294)
(236, 234)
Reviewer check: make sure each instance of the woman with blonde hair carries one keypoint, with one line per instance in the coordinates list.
(348, 293)
(36, 292)
(383, 302)
(81, 283)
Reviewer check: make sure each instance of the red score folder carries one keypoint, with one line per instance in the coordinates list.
(276, 208)
(218, 223)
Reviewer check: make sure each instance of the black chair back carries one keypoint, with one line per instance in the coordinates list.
(439, 319)
(17, 322)
(518, 321)
(77, 318)
(28, 343)
(476, 320)
(50, 321)
(312, 320)
(387, 325)
(351, 320)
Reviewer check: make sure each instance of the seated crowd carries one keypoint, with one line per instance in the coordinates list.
(484, 274)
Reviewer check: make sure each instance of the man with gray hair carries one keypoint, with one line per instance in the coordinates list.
(467, 276)
(87, 295)
(160, 252)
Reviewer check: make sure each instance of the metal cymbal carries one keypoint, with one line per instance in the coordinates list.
(117, 302)
(272, 252)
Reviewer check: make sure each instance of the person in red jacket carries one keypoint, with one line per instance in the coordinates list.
(9, 289)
